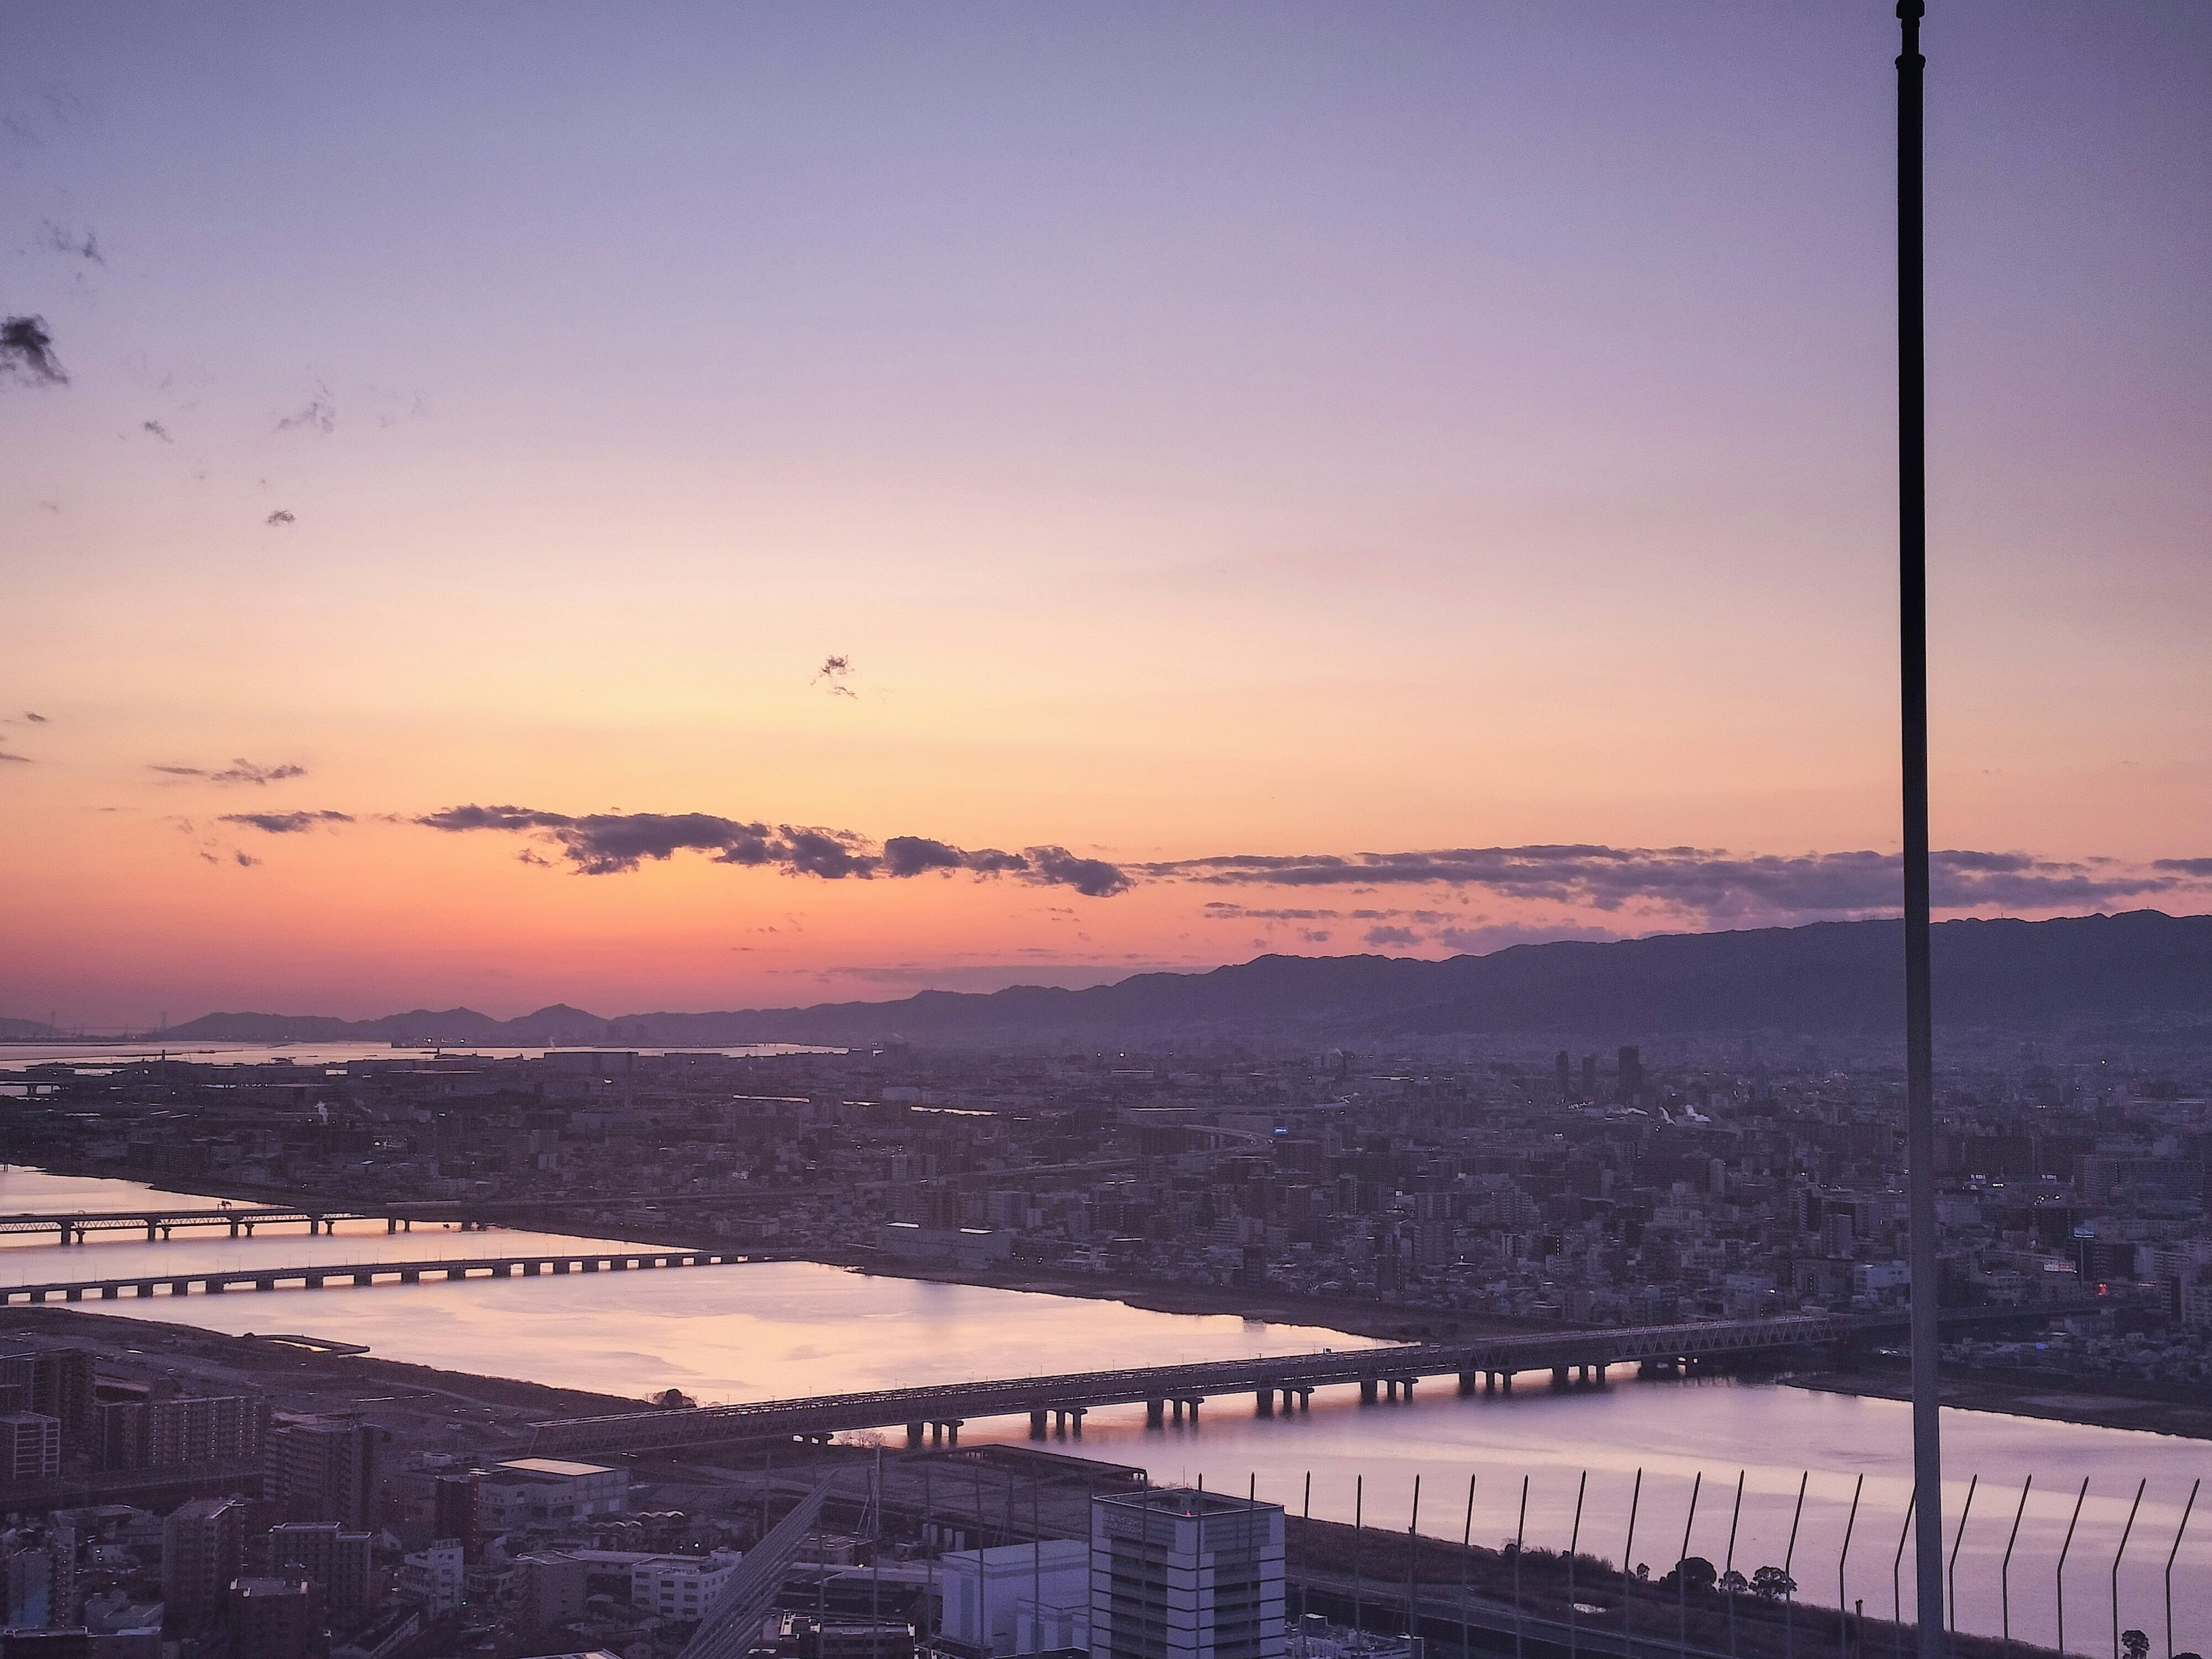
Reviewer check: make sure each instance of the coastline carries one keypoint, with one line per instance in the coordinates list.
(2088, 1402)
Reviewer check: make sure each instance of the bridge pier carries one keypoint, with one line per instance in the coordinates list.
(410, 1275)
(109, 1292)
(1156, 1412)
(917, 1434)
(151, 1228)
(264, 1283)
(1070, 1421)
(1264, 1402)
(1037, 1424)
(1559, 1376)
(1367, 1391)
(1467, 1382)
(1505, 1383)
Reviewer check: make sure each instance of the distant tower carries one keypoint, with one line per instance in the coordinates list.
(1589, 1077)
(1631, 1075)
(1563, 1069)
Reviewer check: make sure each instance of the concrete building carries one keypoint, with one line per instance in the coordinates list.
(680, 1587)
(1176, 1574)
(327, 1470)
(203, 1548)
(547, 1589)
(60, 1384)
(328, 1556)
(548, 1491)
(277, 1618)
(30, 1447)
(1019, 1598)
(437, 1577)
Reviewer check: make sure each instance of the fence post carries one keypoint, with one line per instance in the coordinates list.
(1466, 1551)
(1519, 1548)
(1789, 1584)
(1734, 1516)
(1682, 1577)
(2170, 1554)
(1574, 1544)
(2004, 1574)
(1951, 1569)
(1628, 1575)
(1896, 1564)
(1843, 1556)
(2059, 1579)
(1412, 1548)
(2116, 1554)
(1359, 1548)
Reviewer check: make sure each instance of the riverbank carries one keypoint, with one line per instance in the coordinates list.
(2092, 1402)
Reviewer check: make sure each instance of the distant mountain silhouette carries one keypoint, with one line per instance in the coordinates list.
(2144, 970)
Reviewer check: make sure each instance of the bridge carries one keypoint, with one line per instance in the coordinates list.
(937, 1412)
(472, 1215)
(526, 1265)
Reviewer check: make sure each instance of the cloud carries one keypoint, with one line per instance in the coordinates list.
(281, 516)
(1392, 936)
(157, 429)
(833, 674)
(240, 770)
(27, 353)
(34, 717)
(1717, 886)
(63, 241)
(614, 843)
(286, 823)
(2201, 867)
(317, 414)
(5, 756)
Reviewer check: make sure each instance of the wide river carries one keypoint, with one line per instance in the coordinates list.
(775, 1330)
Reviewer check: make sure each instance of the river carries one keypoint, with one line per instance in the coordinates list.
(776, 1330)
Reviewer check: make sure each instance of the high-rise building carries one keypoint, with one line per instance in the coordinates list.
(327, 1471)
(1177, 1574)
(326, 1555)
(203, 1548)
(179, 1432)
(1632, 1074)
(30, 1447)
(1563, 1074)
(60, 1381)
(277, 1618)
(455, 1513)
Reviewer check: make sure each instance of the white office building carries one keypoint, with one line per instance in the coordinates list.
(679, 1586)
(1020, 1598)
(1177, 1574)
(548, 1491)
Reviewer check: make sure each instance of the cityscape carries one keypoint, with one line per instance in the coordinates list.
(908, 831)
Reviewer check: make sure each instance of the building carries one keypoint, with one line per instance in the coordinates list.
(326, 1555)
(437, 1577)
(1019, 1598)
(547, 1491)
(178, 1433)
(30, 1447)
(547, 1589)
(456, 1513)
(1176, 1574)
(680, 1587)
(277, 1618)
(60, 1381)
(203, 1549)
(327, 1470)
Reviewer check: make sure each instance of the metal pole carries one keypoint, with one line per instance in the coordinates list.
(2004, 1573)
(1951, 1569)
(1843, 1622)
(1574, 1543)
(1358, 1544)
(1628, 1574)
(2116, 1554)
(1788, 1583)
(1682, 1577)
(1919, 1015)
(1896, 1563)
(1734, 1516)
(1466, 1553)
(2059, 1579)
(1413, 1545)
(2170, 1554)
(1519, 1548)
(1305, 1518)
(929, 1549)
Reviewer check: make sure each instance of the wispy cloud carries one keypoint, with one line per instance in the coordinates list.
(286, 823)
(27, 353)
(613, 843)
(240, 770)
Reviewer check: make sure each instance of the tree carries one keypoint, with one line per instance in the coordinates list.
(2137, 1643)
(1693, 1572)
(1772, 1584)
(1730, 1582)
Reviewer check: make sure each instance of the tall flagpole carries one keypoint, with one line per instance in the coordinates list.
(1919, 1018)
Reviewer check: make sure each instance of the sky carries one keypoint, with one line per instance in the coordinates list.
(685, 507)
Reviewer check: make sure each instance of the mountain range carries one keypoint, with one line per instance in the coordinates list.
(2143, 971)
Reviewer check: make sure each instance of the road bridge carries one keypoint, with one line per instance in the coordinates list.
(937, 1412)
(157, 1221)
(528, 1264)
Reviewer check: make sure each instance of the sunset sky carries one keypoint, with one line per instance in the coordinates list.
(1302, 477)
